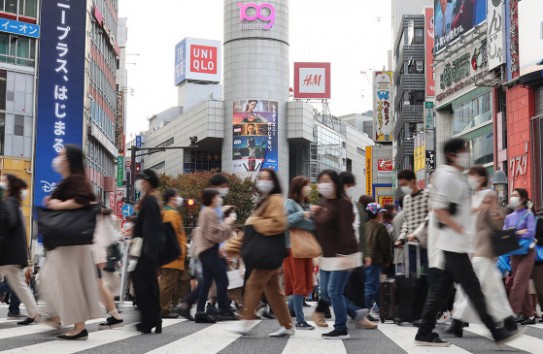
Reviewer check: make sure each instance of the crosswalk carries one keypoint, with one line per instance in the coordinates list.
(181, 336)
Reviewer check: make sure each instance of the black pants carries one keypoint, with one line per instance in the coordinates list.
(434, 278)
(145, 283)
(356, 287)
(213, 268)
(458, 269)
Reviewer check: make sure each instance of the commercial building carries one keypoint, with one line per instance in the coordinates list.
(249, 122)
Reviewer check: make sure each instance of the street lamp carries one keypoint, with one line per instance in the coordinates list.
(500, 185)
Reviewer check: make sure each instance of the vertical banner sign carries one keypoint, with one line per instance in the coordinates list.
(369, 171)
(382, 106)
(428, 115)
(420, 159)
(429, 45)
(60, 88)
(255, 136)
(120, 171)
(495, 30)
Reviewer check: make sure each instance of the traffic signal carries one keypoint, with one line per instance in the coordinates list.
(191, 202)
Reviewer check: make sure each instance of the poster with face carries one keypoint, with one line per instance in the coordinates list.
(254, 144)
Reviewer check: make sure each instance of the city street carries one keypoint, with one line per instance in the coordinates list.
(181, 336)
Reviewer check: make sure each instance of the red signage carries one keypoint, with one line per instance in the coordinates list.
(429, 44)
(312, 80)
(203, 59)
(385, 166)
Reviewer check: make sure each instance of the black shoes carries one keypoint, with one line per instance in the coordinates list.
(335, 334)
(185, 313)
(26, 321)
(502, 336)
(111, 322)
(528, 321)
(226, 316)
(431, 340)
(456, 328)
(510, 324)
(83, 335)
(203, 317)
(269, 315)
(171, 315)
(146, 329)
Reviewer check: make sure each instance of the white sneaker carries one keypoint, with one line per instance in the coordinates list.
(242, 327)
(283, 332)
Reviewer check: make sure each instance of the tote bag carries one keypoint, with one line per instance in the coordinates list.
(263, 252)
(303, 244)
(67, 227)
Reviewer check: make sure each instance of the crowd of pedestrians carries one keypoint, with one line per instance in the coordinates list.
(432, 254)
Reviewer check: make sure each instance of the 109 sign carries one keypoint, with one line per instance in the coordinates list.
(251, 12)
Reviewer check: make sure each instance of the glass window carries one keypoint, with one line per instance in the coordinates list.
(19, 128)
(3, 75)
(11, 6)
(472, 114)
(419, 36)
(482, 149)
(31, 8)
(4, 43)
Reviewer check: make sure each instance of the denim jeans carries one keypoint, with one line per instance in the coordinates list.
(373, 275)
(296, 304)
(333, 286)
(213, 269)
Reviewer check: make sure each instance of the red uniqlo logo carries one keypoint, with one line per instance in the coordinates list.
(203, 59)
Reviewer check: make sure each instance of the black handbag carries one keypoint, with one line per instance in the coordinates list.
(170, 249)
(504, 241)
(67, 227)
(263, 252)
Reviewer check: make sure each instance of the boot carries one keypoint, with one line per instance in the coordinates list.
(510, 324)
(456, 328)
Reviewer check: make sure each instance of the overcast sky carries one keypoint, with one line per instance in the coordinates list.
(354, 35)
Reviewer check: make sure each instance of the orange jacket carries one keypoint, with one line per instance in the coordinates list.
(171, 215)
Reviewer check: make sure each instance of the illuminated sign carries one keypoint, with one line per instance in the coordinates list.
(197, 60)
(312, 80)
(251, 12)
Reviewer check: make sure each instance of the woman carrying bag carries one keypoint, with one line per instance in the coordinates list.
(69, 273)
(263, 252)
(14, 255)
(298, 267)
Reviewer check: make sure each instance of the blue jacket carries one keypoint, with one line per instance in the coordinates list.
(295, 217)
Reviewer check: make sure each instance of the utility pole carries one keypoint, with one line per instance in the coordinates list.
(130, 182)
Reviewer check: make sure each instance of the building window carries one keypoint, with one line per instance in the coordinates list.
(19, 127)
(537, 178)
(419, 36)
(472, 114)
(17, 49)
(482, 149)
(416, 98)
(28, 8)
(349, 167)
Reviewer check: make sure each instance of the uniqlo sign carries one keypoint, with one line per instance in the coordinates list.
(312, 80)
(197, 60)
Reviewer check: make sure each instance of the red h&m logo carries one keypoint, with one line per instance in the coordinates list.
(312, 80)
(203, 59)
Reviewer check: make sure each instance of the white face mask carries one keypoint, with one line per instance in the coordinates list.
(24, 194)
(514, 202)
(178, 201)
(223, 191)
(138, 185)
(4, 185)
(462, 159)
(264, 186)
(348, 192)
(233, 216)
(307, 191)
(474, 182)
(326, 190)
(56, 164)
(407, 190)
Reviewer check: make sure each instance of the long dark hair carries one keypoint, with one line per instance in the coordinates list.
(296, 191)
(74, 156)
(276, 185)
(15, 186)
(340, 191)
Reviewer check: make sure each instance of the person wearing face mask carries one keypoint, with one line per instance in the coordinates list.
(174, 280)
(144, 276)
(522, 264)
(340, 254)
(269, 219)
(451, 205)
(486, 218)
(219, 182)
(206, 247)
(13, 254)
(298, 272)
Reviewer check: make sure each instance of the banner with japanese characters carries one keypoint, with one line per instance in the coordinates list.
(254, 136)
(382, 106)
(61, 88)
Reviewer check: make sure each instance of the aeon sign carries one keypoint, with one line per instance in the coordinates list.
(251, 12)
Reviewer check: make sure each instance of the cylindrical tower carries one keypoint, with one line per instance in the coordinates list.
(256, 67)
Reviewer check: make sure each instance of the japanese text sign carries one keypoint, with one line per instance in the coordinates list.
(60, 89)
(382, 106)
(19, 28)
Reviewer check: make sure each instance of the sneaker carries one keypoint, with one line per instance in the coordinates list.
(502, 336)
(366, 324)
(456, 328)
(510, 324)
(327, 313)
(282, 332)
(204, 317)
(360, 314)
(211, 310)
(242, 327)
(303, 325)
(335, 334)
(431, 340)
(169, 315)
(14, 316)
(185, 313)
(318, 318)
(443, 317)
(529, 321)
(111, 322)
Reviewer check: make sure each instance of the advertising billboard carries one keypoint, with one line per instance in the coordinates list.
(382, 106)
(312, 81)
(420, 160)
(452, 18)
(495, 34)
(429, 45)
(254, 146)
(60, 88)
(369, 171)
(197, 60)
